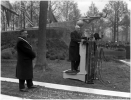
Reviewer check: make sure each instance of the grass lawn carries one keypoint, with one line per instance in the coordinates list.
(117, 73)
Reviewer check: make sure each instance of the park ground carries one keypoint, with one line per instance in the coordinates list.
(115, 74)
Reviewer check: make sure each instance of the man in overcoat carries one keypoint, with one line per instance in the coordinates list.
(74, 55)
(24, 67)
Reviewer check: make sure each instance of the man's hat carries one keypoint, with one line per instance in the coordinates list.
(96, 36)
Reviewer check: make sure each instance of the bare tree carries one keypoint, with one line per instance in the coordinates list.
(93, 11)
(115, 10)
(65, 10)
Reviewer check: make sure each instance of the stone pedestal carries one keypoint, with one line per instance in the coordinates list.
(81, 74)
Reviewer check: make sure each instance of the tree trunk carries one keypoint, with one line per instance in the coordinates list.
(126, 33)
(21, 21)
(112, 34)
(117, 34)
(5, 23)
(31, 11)
(117, 20)
(4, 19)
(13, 21)
(115, 28)
(67, 11)
(115, 23)
(41, 51)
(24, 20)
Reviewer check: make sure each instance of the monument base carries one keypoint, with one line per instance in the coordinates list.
(74, 75)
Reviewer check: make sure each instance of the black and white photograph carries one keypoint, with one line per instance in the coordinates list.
(65, 49)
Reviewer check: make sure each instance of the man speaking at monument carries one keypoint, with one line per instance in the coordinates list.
(74, 56)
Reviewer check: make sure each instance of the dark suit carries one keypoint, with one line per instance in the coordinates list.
(24, 67)
(74, 56)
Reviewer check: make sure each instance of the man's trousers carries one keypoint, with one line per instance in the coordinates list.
(22, 83)
(75, 65)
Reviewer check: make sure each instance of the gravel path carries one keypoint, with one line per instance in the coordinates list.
(9, 88)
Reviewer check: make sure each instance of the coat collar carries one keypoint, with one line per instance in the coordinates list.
(24, 40)
(80, 34)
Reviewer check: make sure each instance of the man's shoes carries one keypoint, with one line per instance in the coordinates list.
(77, 70)
(24, 90)
(32, 87)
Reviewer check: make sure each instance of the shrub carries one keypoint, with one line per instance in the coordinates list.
(120, 49)
(52, 57)
(4, 47)
(13, 50)
(9, 53)
(61, 56)
(120, 57)
(15, 55)
(47, 55)
(55, 41)
(6, 54)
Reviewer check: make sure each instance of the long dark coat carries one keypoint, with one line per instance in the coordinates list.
(74, 46)
(25, 55)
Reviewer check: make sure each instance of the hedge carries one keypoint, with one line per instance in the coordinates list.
(57, 42)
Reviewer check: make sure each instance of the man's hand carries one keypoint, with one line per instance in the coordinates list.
(83, 41)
